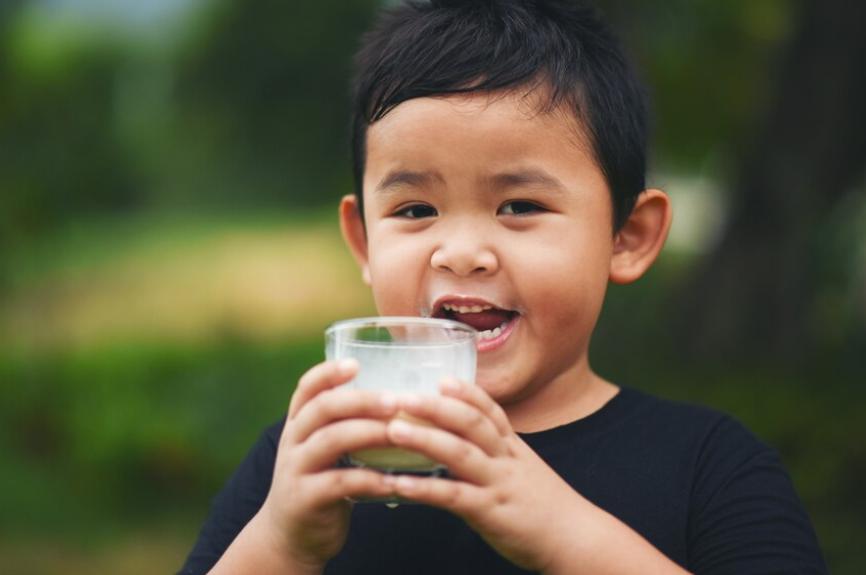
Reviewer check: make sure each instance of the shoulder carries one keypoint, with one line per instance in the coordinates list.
(741, 507)
(646, 426)
(743, 513)
(706, 443)
(649, 435)
(695, 421)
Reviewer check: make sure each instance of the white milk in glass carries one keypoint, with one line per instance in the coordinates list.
(428, 351)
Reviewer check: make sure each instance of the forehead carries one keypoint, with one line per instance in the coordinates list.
(521, 110)
(469, 133)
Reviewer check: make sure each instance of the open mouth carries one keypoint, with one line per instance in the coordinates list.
(491, 322)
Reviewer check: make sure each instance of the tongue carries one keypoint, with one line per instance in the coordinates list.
(484, 320)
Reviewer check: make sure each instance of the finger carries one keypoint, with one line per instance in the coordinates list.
(463, 458)
(475, 395)
(328, 444)
(458, 417)
(338, 404)
(319, 378)
(335, 484)
(456, 496)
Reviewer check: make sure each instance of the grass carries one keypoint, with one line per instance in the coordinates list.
(136, 552)
(180, 281)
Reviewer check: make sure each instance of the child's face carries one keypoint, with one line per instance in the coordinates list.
(480, 202)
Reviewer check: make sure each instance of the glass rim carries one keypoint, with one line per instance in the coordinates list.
(381, 321)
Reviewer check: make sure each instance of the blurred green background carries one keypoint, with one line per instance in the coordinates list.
(169, 255)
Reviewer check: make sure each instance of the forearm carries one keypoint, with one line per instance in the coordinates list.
(257, 551)
(600, 544)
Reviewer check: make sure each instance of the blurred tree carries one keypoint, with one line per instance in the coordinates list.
(7, 10)
(59, 155)
(778, 282)
(707, 65)
(264, 90)
(249, 108)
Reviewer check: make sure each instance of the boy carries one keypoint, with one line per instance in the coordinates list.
(499, 159)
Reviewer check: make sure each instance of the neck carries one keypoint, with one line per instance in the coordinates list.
(575, 394)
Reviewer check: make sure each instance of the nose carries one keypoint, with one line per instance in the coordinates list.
(465, 253)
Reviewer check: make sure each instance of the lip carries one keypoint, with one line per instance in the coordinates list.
(488, 345)
(485, 345)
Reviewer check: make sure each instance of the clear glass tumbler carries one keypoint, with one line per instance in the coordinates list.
(402, 355)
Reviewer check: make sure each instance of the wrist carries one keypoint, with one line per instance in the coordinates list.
(566, 542)
(259, 549)
(276, 545)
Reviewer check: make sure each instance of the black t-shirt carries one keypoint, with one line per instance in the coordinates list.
(692, 481)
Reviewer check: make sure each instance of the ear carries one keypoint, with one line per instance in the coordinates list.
(641, 238)
(352, 226)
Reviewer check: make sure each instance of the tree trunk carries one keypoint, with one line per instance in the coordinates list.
(757, 295)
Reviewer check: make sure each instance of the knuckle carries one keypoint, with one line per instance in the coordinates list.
(463, 452)
(289, 438)
(453, 495)
(325, 404)
(476, 418)
(339, 482)
(307, 380)
(499, 498)
(325, 436)
(369, 401)
(333, 404)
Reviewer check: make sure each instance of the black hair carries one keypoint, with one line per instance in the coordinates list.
(440, 47)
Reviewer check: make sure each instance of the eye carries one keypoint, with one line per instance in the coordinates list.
(416, 211)
(520, 208)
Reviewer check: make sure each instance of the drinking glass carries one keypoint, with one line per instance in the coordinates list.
(402, 355)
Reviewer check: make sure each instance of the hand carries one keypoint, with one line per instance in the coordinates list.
(306, 510)
(502, 489)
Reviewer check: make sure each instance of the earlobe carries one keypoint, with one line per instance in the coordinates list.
(352, 226)
(640, 240)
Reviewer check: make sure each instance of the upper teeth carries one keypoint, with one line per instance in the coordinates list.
(467, 308)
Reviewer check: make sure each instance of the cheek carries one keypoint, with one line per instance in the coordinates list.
(392, 258)
(396, 272)
(567, 283)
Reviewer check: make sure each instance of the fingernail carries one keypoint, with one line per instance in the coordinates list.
(400, 429)
(450, 384)
(348, 365)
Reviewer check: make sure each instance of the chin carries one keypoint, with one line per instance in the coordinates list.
(498, 387)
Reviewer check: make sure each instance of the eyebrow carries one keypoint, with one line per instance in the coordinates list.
(505, 180)
(410, 179)
(527, 177)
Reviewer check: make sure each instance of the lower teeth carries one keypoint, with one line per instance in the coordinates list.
(491, 333)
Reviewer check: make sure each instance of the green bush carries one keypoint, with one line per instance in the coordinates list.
(134, 431)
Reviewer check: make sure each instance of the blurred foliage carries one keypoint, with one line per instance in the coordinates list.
(248, 108)
(163, 280)
(711, 66)
(141, 428)
(248, 104)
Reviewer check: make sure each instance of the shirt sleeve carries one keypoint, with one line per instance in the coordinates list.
(237, 503)
(746, 517)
